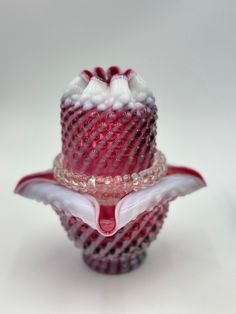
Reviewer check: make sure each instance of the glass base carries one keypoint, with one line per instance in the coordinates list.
(122, 252)
(120, 265)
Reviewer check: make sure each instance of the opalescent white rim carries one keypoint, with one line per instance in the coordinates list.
(86, 207)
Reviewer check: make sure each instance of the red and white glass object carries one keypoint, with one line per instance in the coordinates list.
(110, 185)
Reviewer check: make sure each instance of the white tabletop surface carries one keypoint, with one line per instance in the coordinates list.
(186, 51)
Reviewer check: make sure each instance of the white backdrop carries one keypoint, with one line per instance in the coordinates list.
(186, 51)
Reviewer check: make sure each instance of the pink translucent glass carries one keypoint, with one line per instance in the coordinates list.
(114, 186)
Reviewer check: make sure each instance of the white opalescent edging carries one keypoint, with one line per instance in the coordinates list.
(97, 93)
(86, 207)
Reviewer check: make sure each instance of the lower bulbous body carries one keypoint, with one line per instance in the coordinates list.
(136, 218)
(122, 252)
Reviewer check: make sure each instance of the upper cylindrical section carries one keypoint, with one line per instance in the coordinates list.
(108, 121)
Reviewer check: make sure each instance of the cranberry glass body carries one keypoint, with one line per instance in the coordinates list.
(110, 184)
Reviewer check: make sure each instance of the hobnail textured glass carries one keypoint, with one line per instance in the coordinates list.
(122, 252)
(110, 184)
(108, 143)
(118, 185)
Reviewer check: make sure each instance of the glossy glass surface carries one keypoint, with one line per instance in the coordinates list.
(108, 142)
(122, 252)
